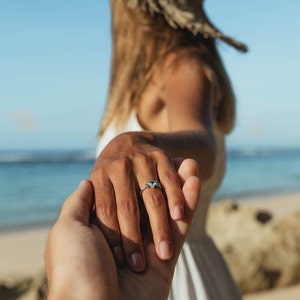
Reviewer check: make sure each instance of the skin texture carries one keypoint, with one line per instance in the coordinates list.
(176, 110)
(80, 265)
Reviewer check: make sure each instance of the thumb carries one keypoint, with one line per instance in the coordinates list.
(180, 228)
(79, 204)
(186, 168)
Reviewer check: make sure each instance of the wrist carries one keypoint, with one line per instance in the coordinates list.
(78, 286)
(79, 292)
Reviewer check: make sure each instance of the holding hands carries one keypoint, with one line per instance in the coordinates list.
(131, 163)
(79, 262)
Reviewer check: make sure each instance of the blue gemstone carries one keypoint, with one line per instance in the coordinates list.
(152, 184)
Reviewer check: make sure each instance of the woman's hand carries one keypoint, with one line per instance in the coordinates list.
(80, 265)
(123, 168)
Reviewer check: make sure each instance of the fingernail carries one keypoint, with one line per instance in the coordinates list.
(165, 250)
(118, 253)
(178, 212)
(137, 261)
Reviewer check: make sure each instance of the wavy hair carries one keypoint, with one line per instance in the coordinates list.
(140, 42)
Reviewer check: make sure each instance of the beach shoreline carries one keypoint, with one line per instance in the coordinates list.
(279, 204)
(22, 248)
(26, 228)
(22, 251)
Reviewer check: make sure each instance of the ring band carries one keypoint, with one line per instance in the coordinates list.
(151, 184)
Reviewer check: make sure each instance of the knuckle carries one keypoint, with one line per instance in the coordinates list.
(155, 199)
(105, 210)
(127, 208)
(123, 165)
(160, 153)
(98, 175)
(171, 177)
(142, 160)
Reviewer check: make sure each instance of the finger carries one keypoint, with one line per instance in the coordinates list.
(186, 168)
(80, 203)
(191, 192)
(129, 220)
(156, 208)
(179, 230)
(172, 186)
(106, 215)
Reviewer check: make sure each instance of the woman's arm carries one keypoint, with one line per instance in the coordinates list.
(195, 144)
(132, 159)
(186, 99)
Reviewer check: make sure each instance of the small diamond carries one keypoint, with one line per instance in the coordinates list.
(152, 183)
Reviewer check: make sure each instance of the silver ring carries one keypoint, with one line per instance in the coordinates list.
(151, 184)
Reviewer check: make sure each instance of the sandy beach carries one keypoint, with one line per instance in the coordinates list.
(22, 251)
(279, 206)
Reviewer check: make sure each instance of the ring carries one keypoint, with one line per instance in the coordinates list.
(151, 184)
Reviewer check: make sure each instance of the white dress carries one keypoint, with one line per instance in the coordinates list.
(201, 272)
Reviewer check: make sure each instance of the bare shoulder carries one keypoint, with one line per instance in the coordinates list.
(187, 94)
(183, 73)
(178, 97)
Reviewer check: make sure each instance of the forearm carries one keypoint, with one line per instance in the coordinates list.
(83, 281)
(75, 294)
(195, 144)
(191, 144)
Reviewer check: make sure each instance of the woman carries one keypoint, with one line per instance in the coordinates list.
(169, 97)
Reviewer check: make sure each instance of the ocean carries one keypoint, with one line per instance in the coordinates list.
(33, 185)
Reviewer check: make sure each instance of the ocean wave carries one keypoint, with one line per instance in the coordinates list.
(262, 152)
(47, 156)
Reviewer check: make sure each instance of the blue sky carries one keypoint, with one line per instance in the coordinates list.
(54, 70)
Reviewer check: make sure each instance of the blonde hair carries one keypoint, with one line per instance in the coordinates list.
(140, 43)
